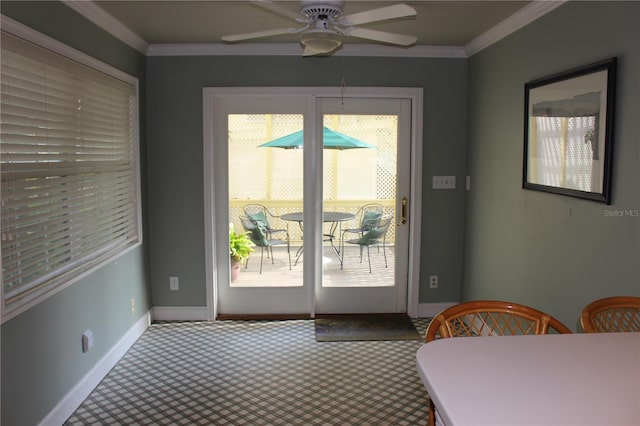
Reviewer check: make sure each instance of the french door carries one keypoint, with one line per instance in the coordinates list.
(372, 176)
(303, 191)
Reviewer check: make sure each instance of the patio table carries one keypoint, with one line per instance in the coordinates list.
(335, 218)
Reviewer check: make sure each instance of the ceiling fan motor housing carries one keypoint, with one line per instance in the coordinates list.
(321, 9)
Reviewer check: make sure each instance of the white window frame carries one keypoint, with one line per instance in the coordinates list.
(80, 271)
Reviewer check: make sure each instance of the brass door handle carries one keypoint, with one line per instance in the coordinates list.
(403, 211)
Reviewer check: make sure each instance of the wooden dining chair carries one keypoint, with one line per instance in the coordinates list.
(611, 314)
(489, 318)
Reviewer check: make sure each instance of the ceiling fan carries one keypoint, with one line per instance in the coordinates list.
(325, 25)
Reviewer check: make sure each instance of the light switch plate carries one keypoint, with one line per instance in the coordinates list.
(444, 182)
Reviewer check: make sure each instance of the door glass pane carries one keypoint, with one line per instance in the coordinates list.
(359, 199)
(266, 183)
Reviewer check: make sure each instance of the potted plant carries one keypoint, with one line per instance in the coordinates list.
(240, 247)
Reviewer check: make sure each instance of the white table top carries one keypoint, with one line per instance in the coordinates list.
(570, 379)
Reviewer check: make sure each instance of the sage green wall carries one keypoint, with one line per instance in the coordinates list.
(548, 251)
(175, 156)
(552, 252)
(42, 357)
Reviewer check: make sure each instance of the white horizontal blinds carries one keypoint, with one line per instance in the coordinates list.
(68, 165)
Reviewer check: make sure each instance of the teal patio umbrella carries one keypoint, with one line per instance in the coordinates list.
(331, 139)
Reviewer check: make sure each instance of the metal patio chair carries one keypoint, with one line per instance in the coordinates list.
(374, 234)
(260, 213)
(259, 236)
(367, 216)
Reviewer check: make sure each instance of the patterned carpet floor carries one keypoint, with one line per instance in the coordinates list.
(258, 373)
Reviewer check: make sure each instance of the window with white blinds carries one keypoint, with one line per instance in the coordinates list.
(69, 166)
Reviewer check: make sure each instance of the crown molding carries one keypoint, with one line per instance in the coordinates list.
(524, 16)
(294, 49)
(102, 19)
(513, 23)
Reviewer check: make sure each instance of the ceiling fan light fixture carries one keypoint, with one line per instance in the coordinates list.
(321, 40)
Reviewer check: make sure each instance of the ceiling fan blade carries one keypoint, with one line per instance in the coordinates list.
(265, 4)
(259, 34)
(382, 36)
(381, 14)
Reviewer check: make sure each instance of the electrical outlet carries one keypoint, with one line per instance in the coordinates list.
(133, 306)
(433, 281)
(174, 283)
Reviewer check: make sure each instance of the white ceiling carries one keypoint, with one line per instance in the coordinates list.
(443, 28)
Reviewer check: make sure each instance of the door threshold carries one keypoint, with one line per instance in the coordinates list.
(262, 317)
(369, 315)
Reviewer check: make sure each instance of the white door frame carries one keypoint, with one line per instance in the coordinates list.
(415, 201)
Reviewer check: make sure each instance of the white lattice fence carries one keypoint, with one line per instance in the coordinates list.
(274, 176)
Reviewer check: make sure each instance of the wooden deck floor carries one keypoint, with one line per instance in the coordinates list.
(352, 274)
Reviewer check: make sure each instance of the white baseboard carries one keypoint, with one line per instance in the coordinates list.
(180, 313)
(429, 310)
(84, 387)
(200, 313)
